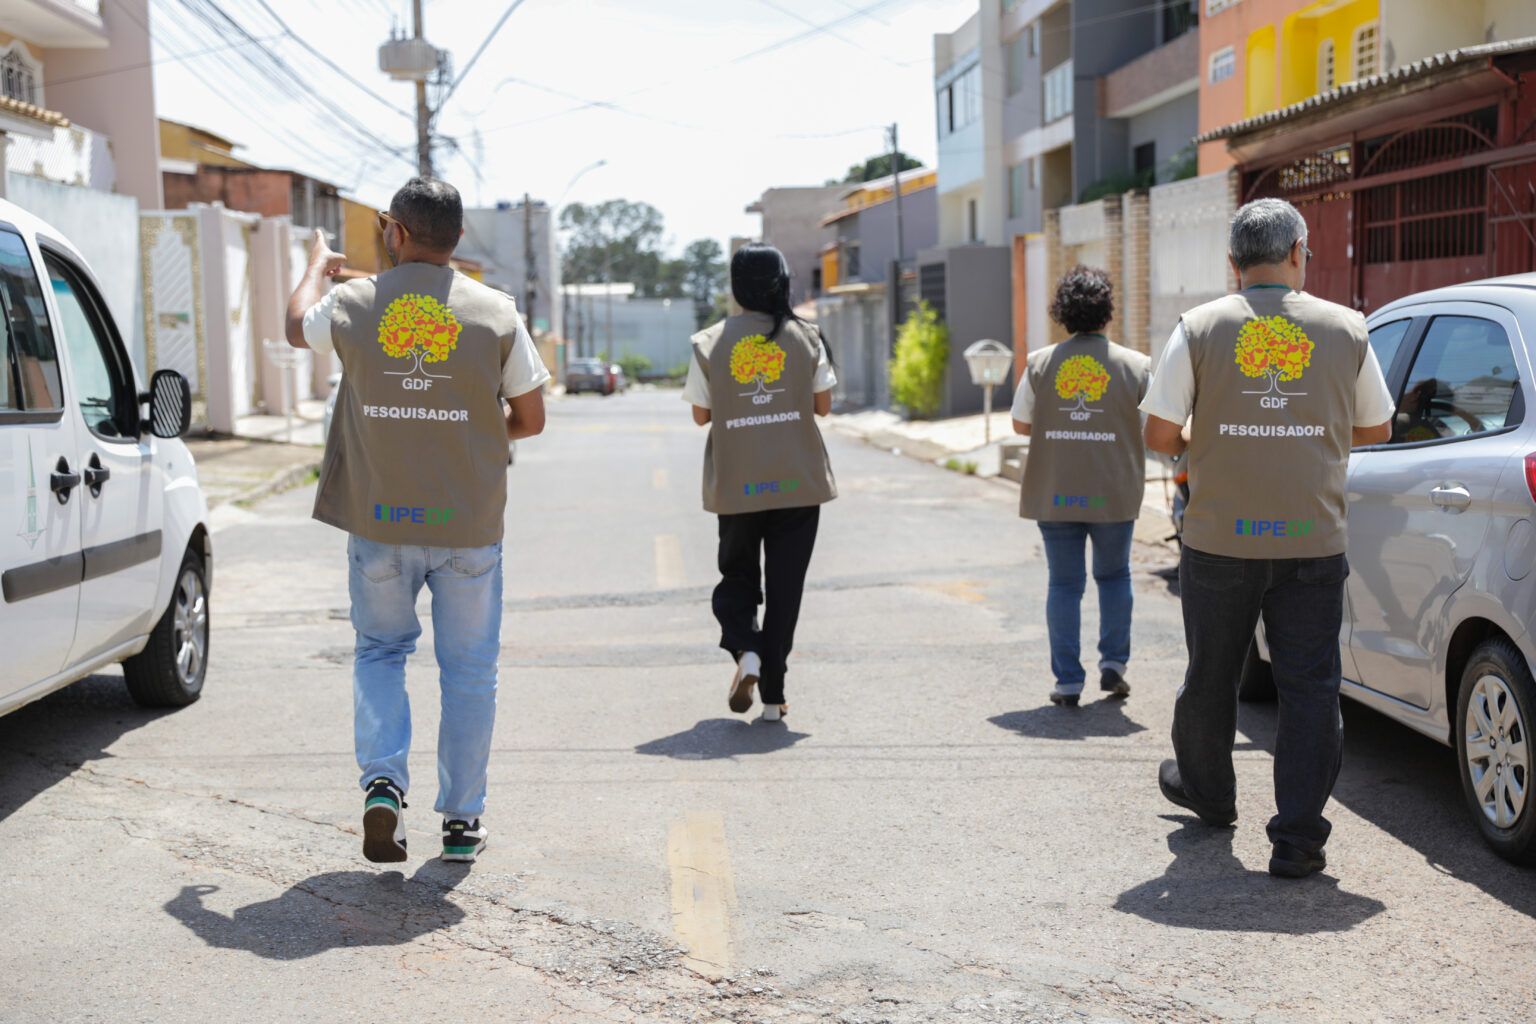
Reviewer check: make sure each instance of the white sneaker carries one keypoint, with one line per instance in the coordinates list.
(774, 712)
(748, 669)
(463, 840)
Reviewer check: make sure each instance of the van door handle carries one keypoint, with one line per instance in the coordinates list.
(95, 475)
(1451, 497)
(61, 481)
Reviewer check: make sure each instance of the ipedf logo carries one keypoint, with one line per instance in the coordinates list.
(1274, 527)
(1077, 501)
(407, 514)
(770, 487)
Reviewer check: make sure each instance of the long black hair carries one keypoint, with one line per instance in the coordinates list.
(760, 284)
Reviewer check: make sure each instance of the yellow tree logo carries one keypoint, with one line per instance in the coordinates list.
(1083, 378)
(421, 328)
(755, 358)
(1275, 348)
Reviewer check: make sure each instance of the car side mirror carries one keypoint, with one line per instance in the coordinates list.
(170, 404)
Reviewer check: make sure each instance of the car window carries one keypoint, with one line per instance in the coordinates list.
(1386, 339)
(1463, 381)
(94, 368)
(36, 386)
(8, 374)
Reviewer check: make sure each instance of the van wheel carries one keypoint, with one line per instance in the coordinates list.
(1257, 683)
(169, 672)
(1494, 711)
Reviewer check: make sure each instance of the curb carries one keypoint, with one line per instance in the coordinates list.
(289, 478)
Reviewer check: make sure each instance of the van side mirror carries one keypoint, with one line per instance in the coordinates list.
(170, 404)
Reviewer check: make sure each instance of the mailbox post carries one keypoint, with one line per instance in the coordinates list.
(989, 362)
(285, 358)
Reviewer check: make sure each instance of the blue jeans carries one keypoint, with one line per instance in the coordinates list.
(1302, 602)
(1064, 598)
(466, 635)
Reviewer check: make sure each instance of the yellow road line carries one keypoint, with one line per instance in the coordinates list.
(669, 562)
(703, 895)
(659, 479)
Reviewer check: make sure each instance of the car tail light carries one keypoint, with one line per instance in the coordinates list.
(1530, 474)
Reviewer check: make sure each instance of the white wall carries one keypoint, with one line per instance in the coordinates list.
(1188, 223)
(105, 228)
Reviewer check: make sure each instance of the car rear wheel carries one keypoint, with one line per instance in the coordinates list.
(169, 672)
(1494, 711)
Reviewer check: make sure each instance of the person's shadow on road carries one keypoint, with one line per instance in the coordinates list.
(715, 738)
(1100, 718)
(334, 910)
(1207, 887)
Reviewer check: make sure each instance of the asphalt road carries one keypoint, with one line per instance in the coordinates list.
(924, 839)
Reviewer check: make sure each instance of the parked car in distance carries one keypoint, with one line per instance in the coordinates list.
(592, 375)
(1441, 594)
(104, 545)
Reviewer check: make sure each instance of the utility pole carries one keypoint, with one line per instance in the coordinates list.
(529, 273)
(423, 113)
(896, 184)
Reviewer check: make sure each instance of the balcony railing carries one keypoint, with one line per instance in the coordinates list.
(1057, 87)
(73, 156)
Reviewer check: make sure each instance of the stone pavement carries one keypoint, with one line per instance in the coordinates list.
(259, 460)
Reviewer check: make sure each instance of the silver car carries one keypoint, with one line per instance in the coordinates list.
(1441, 596)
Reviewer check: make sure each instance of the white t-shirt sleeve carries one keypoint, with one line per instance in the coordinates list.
(1171, 395)
(1024, 400)
(826, 377)
(1373, 400)
(696, 388)
(524, 370)
(317, 325)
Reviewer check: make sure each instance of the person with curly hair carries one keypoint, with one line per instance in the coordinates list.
(1084, 476)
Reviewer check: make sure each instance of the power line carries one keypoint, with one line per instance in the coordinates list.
(857, 13)
(328, 62)
(484, 43)
(174, 58)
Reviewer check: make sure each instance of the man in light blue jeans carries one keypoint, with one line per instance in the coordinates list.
(384, 582)
(440, 375)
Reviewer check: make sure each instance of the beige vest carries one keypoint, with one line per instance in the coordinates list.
(417, 452)
(764, 449)
(1087, 460)
(1275, 375)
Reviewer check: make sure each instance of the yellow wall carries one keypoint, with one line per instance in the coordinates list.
(1259, 67)
(183, 142)
(829, 269)
(1302, 34)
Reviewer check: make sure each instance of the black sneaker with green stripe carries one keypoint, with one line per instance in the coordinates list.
(384, 822)
(462, 840)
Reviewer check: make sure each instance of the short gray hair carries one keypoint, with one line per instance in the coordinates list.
(1264, 231)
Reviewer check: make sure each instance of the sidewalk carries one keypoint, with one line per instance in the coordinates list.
(258, 460)
(963, 439)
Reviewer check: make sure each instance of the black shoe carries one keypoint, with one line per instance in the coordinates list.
(1065, 698)
(463, 840)
(1173, 788)
(1114, 684)
(1287, 861)
(383, 822)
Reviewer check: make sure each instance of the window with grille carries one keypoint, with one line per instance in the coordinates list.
(1325, 66)
(1366, 51)
(1223, 65)
(1438, 217)
(18, 77)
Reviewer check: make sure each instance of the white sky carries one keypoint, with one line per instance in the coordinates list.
(701, 133)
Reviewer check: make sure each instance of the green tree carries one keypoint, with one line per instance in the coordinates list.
(917, 370)
(875, 167)
(615, 240)
(703, 276)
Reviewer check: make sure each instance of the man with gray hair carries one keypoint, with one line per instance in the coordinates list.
(1267, 389)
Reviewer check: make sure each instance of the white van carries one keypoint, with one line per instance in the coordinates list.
(104, 548)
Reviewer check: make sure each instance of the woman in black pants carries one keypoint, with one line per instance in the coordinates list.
(759, 380)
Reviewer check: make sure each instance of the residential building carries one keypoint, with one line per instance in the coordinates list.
(608, 319)
(1041, 101)
(792, 223)
(1412, 178)
(499, 239)
(1259, 56)
(71, 72)
(856, 309)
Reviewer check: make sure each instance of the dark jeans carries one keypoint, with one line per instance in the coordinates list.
(779, 542)
(1302, 601)
(1064, 596)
